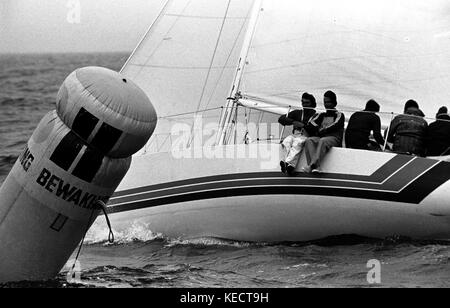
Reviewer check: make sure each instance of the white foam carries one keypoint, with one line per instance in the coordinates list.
(137, 232)
(206, 242)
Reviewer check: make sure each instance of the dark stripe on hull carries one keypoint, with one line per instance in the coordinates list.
(405, 196)
(410, 184)
(395, 183)
(425, 185)
(380, 175)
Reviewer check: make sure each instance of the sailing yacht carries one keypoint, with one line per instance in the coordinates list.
(220, 73)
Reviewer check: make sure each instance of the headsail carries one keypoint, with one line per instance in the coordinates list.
(187, 61)
(390, 51)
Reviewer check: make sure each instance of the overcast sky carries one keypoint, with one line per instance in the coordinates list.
(74, 25)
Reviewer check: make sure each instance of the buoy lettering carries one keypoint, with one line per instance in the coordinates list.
(66, 191)
(26, 159)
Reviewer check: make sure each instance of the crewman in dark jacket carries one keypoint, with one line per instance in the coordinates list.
(326, 130)
(294, 143)
(361, 124)
(299, 118)
(438, 135)
(409, 130)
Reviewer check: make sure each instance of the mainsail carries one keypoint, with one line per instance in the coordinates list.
(390, 51)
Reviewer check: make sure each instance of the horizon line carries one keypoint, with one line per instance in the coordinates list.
(63, 52)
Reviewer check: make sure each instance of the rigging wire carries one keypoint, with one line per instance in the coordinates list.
(214, 55)
(203, 17)
(228, 59)
(165, 35)
(216, 47)
(145, 35)
(225, 121)
(293, 108)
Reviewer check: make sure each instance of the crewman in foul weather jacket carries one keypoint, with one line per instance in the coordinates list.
(327, 131)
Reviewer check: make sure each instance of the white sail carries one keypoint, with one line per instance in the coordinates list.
(187, 61)
(387, 50)
(390, 51)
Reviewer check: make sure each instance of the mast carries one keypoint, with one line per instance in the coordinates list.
(227, 115)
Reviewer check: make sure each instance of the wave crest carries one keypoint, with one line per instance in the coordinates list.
(137, 232)
(141, 232)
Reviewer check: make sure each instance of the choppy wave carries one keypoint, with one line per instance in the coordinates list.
(141, 232)
(137, 232)
(158, 261)
(8, 160)
(6, 163)
(210, 263)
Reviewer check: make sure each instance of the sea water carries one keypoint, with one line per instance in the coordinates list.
(141, 258)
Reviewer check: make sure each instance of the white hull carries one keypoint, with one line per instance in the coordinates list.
(362, 193)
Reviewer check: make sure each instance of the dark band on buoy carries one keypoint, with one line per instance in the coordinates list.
(106, 138)
(84, 123)
(70, 146)
(67, 151)
(88, 166)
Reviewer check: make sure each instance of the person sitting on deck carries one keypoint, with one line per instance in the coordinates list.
(327, 131)
(438, 135)
(361, 124)
(294, 143)
(408, 131)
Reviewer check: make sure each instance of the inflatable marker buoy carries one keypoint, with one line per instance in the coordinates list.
(77, 156)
